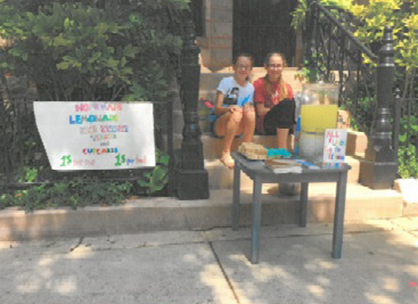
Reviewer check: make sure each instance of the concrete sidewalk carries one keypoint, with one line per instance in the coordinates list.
(379, 265)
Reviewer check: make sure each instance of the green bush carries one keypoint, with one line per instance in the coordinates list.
(87, 50)
(77, 192)
(408, 161)
(92, 50)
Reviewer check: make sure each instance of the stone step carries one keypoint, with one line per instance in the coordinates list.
(160, 214)
(213, 146)
(212, 149)
(356, 143)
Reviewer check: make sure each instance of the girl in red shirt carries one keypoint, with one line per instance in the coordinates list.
(274, 101)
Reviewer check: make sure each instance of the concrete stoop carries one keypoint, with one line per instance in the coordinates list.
(409, 190)
(160, 214)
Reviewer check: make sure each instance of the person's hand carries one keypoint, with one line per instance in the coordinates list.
(248, 107)
(235, 108)
(263, 112)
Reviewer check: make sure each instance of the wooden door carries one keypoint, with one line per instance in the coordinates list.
(262, 26)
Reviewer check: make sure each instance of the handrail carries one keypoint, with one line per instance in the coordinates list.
(350, 36)
(332, 47)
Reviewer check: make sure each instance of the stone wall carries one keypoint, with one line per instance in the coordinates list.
(216, 44)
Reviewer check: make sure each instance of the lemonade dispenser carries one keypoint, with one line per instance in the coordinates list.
(319, 111)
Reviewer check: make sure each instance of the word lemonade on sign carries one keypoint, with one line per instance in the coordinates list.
(98, 135)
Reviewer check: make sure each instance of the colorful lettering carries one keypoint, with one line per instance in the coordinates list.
(89, 162)
(114, 129)
(66, 160)
(120, 159)
(80, 119)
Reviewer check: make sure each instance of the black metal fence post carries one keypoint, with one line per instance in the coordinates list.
(3, 139)
(379, 171)
(397, 120)
(309, 47)
(192, 178)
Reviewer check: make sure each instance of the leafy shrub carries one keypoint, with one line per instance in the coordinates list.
(87, 50)
(408, 161)
(155, 180)
(92, 50)
(77, 192)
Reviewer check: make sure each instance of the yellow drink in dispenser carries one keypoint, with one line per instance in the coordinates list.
(319, 111)
(317, 118)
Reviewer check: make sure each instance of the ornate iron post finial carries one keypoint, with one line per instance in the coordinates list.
(380, 170)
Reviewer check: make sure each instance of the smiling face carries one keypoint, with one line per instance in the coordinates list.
(242, 68)
(274, 67)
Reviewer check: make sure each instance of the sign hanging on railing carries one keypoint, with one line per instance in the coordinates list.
(96, 135)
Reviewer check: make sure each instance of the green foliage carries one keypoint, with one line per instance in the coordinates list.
(299, 14)
(93, 50)
(157, 179)
(411, 126)
(408, 161)
(402, 15)
(88, 50)
(30, 175)
(407, 154)
(309, 75)
(77, 192)
(364, 110)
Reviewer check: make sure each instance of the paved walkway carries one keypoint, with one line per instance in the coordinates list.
(379, 265)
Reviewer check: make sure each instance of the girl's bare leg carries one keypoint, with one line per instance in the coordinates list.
(228, 126)
(282, 135)
(247, 125)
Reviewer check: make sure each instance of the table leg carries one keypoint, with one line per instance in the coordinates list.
(337, 237)
(236, 196)
(303, 204)
(255, 240)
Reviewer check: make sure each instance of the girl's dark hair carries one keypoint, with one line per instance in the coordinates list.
(244, 55)
(249, 56)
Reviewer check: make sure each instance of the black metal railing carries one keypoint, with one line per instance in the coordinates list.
(406, 122)
(334, 54)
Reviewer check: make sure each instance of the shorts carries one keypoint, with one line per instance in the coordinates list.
(281, 116)
(213, 120)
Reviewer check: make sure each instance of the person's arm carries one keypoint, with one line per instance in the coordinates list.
(289, 91)
(219, 108)
(261, 109)
(259, 98)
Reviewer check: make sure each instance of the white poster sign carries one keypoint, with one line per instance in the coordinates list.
(335, 143)
(97, 135)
